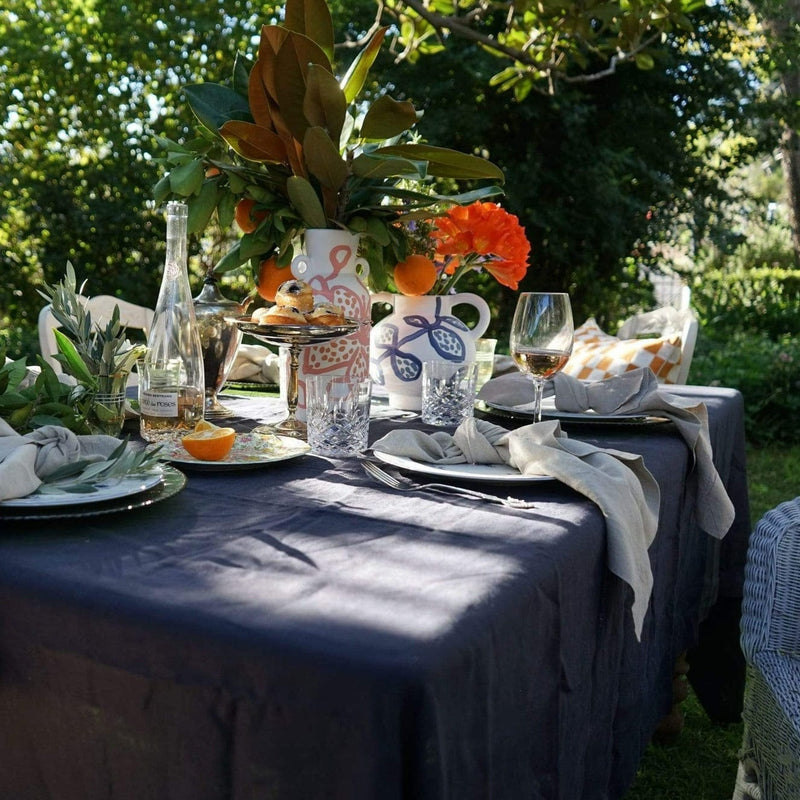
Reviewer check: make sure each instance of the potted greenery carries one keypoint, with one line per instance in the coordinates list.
(99, 358)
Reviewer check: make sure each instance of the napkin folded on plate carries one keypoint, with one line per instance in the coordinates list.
(256, 363)
(26, 460)
(635, 392)
(619, 483)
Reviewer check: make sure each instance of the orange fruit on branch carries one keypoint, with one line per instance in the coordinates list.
(270, 277)
(247, 217)
(415, 276)
(208, 442)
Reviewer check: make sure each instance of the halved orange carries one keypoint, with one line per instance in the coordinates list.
(208, 442)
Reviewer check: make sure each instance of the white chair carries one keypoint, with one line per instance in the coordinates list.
(669, 289)
(769, 761)
(666, 321)
(101, 309)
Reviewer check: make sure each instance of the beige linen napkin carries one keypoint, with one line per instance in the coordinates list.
(638, 392)
(26, 460)
(626, 493)
(256, 363)
(635, 392)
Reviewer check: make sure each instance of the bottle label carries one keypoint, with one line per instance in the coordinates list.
(159, 404)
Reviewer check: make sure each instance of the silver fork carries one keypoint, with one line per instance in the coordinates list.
(403, 484)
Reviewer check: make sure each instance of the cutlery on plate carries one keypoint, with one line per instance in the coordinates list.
(403, 484)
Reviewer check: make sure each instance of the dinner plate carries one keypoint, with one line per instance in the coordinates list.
(124, 487)
(249, 451)
(172, 481)
(550, 411)
(484, 473)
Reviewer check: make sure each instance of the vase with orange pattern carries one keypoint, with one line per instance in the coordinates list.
(332, 267)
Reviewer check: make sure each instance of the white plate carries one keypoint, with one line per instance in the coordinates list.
(484, 473)
(249, 451)
(123, 488)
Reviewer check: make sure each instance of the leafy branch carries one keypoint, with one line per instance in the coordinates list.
(88, 351)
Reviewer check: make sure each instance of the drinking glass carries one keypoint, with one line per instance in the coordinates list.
(337, 414)
(541, 338)
(448, 392)
(484, 357)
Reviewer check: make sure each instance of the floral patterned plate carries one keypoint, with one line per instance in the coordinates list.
(249, 451)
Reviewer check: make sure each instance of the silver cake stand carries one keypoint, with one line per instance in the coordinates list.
(295, 337)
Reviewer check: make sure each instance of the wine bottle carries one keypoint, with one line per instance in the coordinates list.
(171, 383)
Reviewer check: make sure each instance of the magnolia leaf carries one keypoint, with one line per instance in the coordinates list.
(254, 142)
(356, 75)
(187, 179)
(214, 104)
(272, 40)
(445, 163)
(201, 208)
(242, 66)
(323, 159)
(312, 18)
(368, 165)
(387, 118)
(324, 103)
(306, 201)
(292, 63)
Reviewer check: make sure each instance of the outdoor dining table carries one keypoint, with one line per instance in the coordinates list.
(298, 631)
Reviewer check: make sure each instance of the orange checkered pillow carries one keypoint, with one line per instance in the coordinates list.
(608, 356)
(590, 332)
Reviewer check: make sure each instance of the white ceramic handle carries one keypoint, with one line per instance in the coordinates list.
(485, 318)
(300, 265)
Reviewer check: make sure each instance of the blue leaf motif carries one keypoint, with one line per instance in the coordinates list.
(406, 366)
(448, 344)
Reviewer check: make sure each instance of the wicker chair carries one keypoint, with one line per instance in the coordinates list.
(769, 762)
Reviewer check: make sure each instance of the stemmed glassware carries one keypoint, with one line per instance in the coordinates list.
(541, 338)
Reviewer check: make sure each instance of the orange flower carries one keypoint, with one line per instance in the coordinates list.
(485, 235)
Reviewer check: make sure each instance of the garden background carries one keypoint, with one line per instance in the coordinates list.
(667, 143)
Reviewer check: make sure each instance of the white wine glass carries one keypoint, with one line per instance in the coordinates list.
(541, 338)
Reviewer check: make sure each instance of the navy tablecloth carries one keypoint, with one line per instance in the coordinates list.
(299, 632)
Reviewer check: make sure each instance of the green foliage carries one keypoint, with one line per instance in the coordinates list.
(26, 404)
(545, 43)
(87, 351)
(773, 476)
(762, 300)
(310, 150)
(765, 370)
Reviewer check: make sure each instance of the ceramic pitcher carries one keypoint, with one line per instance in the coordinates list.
(331, 266)
(420, 329)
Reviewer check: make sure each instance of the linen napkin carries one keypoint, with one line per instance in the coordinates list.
(26, 460)
(626, 493)
(636, 392)
(256, 363)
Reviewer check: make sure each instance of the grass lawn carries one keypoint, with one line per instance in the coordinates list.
(701, 765)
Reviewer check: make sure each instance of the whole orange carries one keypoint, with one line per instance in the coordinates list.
(415, 276)
(247, 218)
(270, 277)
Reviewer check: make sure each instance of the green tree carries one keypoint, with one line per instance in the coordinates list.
(76, 147)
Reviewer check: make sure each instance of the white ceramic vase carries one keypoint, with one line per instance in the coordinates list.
(331, 266)
(420, 329)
